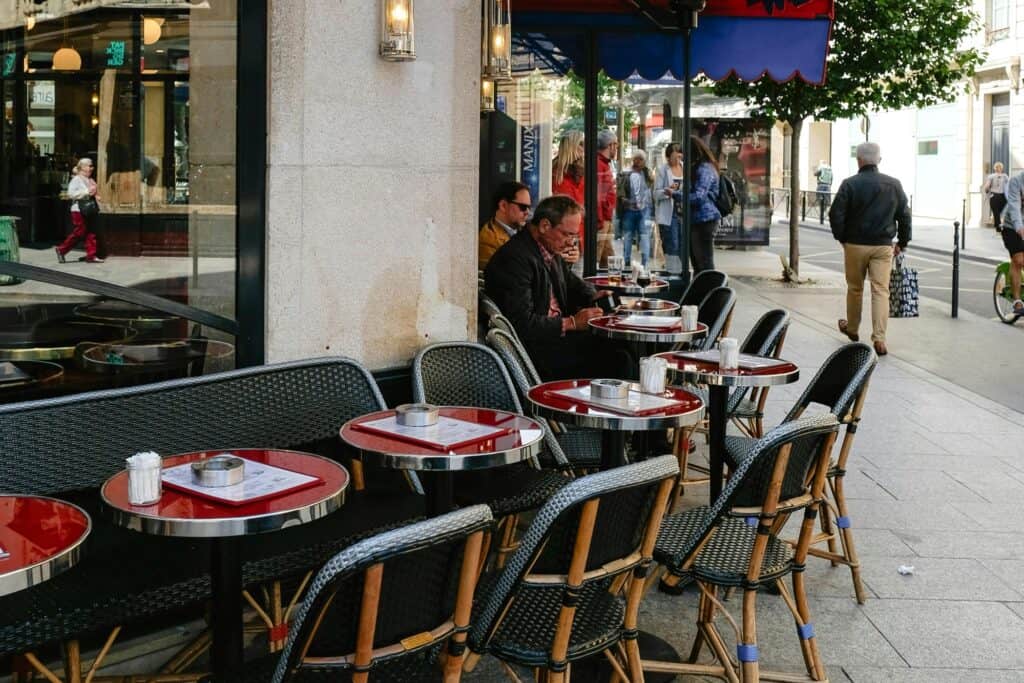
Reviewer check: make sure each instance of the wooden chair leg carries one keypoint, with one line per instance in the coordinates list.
(72, 661)
(747, 648)
(825, 520)
(806, 628)
(846, 538)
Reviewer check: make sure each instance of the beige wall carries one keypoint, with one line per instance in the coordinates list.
(373, 175)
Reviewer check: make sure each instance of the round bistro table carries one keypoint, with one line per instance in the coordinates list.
(645, 341)
(39, 538)
(520, 442)
(625, 285)
(718, 383)
(182, 514)
(630, 306)
(613, 425)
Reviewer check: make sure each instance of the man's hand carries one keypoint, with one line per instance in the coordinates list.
(896, 250)
(571, 254)
(585, 314)
(601, 294)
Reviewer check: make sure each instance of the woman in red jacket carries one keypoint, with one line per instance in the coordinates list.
(567, 177)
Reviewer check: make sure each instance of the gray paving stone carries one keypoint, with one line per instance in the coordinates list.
(923, 485)
(882, 514)
(944, 634)
(991, 483)
(858, 674)
(941, 462)
(964, 544)
(1010, 571)
(936, 579)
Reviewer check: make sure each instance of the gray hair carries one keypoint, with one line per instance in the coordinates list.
(605, 138)
(82, 162)
(639, 154)
(869, 152)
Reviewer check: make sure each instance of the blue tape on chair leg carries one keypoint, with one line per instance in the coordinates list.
(843, 522)
(752, 521)
(806, 632)
(746, 653)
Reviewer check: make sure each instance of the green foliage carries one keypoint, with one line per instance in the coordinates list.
(572, 103)
(885, 54)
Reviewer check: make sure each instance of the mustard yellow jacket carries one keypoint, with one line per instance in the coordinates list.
(492, 237)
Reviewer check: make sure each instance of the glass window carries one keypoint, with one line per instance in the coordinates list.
(998, 19)
(119, 160)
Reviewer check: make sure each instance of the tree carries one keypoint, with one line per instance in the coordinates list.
(886, 54)
(572, 102)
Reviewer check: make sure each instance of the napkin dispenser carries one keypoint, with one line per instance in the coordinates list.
(416, 415)
(609, 388)
(218, 471)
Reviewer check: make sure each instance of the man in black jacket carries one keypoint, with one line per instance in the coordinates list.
(546, 302)
(868, 213)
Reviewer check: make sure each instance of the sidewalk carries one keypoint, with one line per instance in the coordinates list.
(983, 245)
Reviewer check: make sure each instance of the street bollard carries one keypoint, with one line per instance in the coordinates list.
(963, 222)
(956, 268)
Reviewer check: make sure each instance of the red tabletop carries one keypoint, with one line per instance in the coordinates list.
(689, 407)
(709, 372)
(41, 536)
(516, 445)
(184, 514)
(605, 282)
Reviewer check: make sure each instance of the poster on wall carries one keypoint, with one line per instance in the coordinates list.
(743, 148)
(529, 160)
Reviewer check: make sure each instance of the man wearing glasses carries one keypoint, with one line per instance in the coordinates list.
(549, 305)
(511, 210)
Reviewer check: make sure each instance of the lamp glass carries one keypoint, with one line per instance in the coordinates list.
(150, 31)
(496, 50)
(486, 94)
(67, 59)
(397, 41)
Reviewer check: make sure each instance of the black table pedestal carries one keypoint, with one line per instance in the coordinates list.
(717, 397)
(226, 578)
(613, 449)
(439, 488)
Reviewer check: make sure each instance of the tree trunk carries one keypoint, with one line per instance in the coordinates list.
(794, 198)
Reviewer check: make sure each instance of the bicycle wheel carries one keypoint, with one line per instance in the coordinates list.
(1002, 297)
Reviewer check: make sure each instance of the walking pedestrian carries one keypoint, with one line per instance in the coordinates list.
(669, 180)
(995, 188)
(704, 215)
(84, 212)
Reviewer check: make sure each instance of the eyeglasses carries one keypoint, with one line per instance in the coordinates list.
(525, 208)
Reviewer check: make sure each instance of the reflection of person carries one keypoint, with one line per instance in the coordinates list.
(868, 212)
(824, 176)
(704, 215)
(1013, 235)
(669, 180)
(82, 192)
(635, 207)
(567, 178)
(549, 305)
(995, 188)
(607, 149)
(511, 209)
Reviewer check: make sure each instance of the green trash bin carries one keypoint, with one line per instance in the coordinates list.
(9, 247)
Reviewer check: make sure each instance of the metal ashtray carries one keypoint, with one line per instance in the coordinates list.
(218, 471)
(416, 415)
(609, 388)
(648, 304)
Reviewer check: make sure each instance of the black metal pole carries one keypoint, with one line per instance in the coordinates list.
(592, 222)
(688, 22)
(226, 578)
(956, 268)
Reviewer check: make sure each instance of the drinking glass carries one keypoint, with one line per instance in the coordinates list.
(643, 279)
(615, 264)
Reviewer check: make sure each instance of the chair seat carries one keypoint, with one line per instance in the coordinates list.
(582, 446)
(747, 409)
(725, 559)
(674, 536)
(508, 490)
(421, 667)
(527, 631)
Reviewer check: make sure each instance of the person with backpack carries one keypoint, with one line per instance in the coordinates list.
(704, 197)
(669, 181)
(634, 195)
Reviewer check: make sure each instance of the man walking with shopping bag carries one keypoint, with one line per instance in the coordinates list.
(869, 211)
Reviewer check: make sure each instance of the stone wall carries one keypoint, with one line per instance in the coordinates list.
(373, 175)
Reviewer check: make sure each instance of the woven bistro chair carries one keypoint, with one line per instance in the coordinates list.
(384, 608)
(470, 374)
(573, 587)
(733, 545)
(581, 447)
(715, 311)
(765, 338)
(500, 322)
(841, 386)
(701, 285)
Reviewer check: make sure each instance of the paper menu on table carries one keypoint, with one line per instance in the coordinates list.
(747, 361)
(9, 372)
(261, 481)
(652, 321)
(638, 403)
(448, 433)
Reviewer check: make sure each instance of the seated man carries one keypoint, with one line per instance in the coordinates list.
(546, 302)
(1013, 236)
(511, 209)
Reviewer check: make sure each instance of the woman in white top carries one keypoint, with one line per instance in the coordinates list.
(995, 188)
(84, 210)
(669, 180)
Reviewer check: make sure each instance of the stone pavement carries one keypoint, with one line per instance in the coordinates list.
(935, 480)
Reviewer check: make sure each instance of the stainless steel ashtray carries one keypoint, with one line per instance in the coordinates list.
(220, 470)
(648, 304)
(416, 415)
(609, 388)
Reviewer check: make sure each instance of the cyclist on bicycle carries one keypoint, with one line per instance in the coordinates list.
(1013, 236)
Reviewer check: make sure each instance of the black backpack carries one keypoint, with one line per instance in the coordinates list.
(727, 198)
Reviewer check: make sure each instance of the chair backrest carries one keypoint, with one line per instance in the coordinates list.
(392, 600)
(594, 529)
(842, 378)
(77, 442)
(500, 322)
(714, 312)
(463, 374)
(702, 284)
(488, 309)
(777, 470)
(764, 339)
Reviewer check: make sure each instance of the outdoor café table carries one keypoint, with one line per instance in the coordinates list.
(631, 305)
(625, 285)
(520, 441)
(39, 538)
(656, 334)
(707, 372)
(182, 514)
(614, 424)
